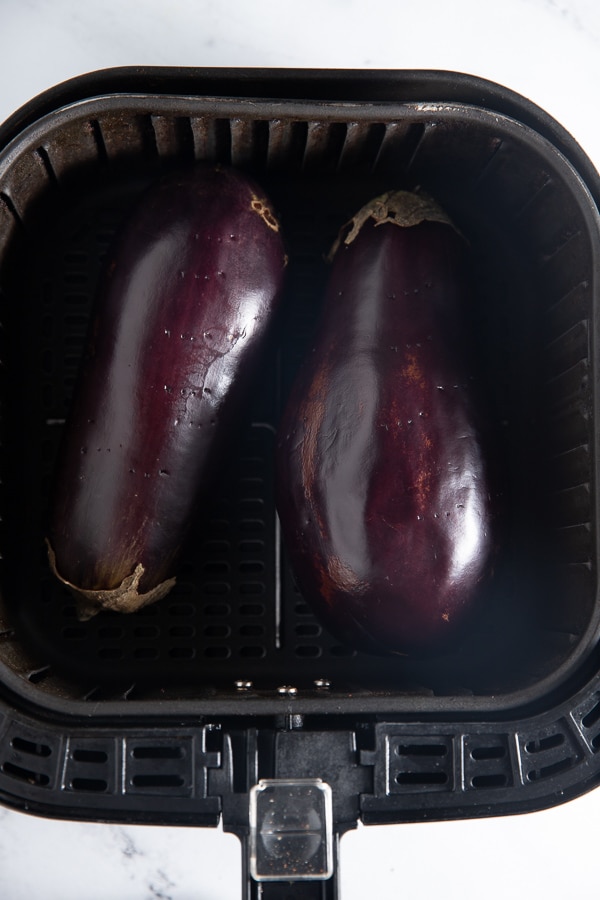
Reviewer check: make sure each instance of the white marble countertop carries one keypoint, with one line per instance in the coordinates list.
(547, 50)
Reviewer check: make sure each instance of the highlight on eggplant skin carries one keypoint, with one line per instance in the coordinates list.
(188, 295)
(383, 490)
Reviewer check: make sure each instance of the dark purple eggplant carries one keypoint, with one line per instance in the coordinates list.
(382, 482)
(182, 315)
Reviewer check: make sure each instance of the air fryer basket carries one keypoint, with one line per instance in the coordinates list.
(231, 679)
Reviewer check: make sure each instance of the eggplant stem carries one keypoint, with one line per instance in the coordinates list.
(124, 599)
(402, 208)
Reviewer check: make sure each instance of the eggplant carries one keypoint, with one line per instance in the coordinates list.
(383, 487)
(182, 316)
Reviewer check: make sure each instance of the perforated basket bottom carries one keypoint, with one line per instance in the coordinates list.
(235, 614)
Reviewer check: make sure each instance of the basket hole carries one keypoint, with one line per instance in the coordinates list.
(545, 743)
(90, 785)
(217, 609)
(252, 547)
(75, 298)
(302, 609)
(38, 675)
(181, 609)
(424, 778)
(76, 324)
(251, 463)
(254, 567)
(214, 588)
(548, 771)
(252, 652)
(146, 653)
(592, 717)
(488, 753)
(109, 632)
(252, 609)
(166, 781)
(216, 568)
(182, 653)
(252, 630)
(421, 750)
(489, 781)
(71, 363)
(308, 630)
(215, 547)
(110, 653)
(34, 749)
(252, 504)
(308, 651)
(75, 278)
(217, 652)
(251, 483)
(217, 631)
(22, 774)
(217, 525)
(252, 587)
(146, 631)
(74, 633)
(157, 752)
(252, 525)
(182, 631)
(90, 756)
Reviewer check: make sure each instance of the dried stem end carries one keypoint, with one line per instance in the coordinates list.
(402, 208)
(124, 599)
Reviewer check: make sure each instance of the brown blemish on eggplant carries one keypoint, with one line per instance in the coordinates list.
(125, 598)
(265, 212)
(423, 486)
(412, 371)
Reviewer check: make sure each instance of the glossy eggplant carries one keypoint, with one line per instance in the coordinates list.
(182, 315)
(382, 482)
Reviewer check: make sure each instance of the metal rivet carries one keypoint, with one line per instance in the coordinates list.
(242, 685)
(287, 690)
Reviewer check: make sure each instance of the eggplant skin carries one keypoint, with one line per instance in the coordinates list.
(183, 312)
(382, 485)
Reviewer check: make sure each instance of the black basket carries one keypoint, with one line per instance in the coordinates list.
(228, 695)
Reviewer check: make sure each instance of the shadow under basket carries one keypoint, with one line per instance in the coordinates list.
(176, 713)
